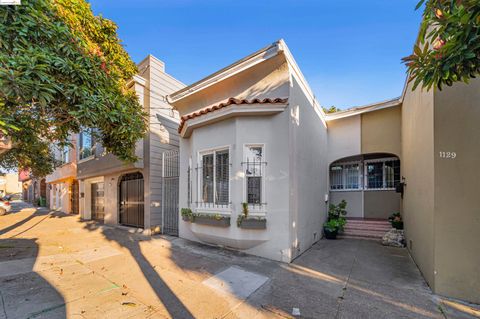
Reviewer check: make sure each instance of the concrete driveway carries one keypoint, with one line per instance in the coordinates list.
(53, 265)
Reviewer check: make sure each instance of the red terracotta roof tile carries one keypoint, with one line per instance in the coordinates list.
(230, 101)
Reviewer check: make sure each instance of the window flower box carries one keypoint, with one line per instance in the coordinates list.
(187, 214)
(253, 223)
(211, 220)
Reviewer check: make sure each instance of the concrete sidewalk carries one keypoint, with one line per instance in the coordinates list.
(54, 266)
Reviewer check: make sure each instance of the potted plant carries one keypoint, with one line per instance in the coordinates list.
(330, 229)
(396, 220)
(246, 222)
(336, 220)
(187, 214)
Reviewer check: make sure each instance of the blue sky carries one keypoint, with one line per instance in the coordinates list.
(348, 50)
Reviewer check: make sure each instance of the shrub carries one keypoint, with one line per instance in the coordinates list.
(396, 220)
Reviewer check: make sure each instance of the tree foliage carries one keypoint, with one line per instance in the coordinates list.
(62, 70)
(331, 109)
(448, 46)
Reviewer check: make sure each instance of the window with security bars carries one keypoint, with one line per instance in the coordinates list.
(221, 177)
(336, 177)
(379, 174)
(215, 178)
(383, 174)
(254, 173)
(345, 176)
(374, 175)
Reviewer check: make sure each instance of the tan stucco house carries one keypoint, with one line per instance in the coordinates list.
(254, 134)
(62, 183)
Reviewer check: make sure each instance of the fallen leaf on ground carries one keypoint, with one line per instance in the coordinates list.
(128, 303)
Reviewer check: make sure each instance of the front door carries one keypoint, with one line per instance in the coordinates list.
(74, 197)
(132, 200)
(98, 202)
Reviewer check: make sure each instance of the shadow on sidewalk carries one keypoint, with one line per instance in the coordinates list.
(23, 292)
(166, 296)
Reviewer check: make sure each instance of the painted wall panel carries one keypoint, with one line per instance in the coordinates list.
(381, 131)
(457, 209)
(354, 202)
(417, 166)
(308, 170)
(344, 138)
(381, 204)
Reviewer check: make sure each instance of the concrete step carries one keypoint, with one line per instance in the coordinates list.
(365, 232)
(368, 221)
(372, 229)
(385, 228)
(358, 237)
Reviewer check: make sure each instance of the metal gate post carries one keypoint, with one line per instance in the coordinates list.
(163, 192)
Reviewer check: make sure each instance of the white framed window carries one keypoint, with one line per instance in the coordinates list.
(346, 176)
(254, 166)
(86, 144)
(214, 178)
(381, 174)
(65, 154)
(373, 174)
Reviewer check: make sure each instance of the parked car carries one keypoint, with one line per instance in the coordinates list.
(5, 207)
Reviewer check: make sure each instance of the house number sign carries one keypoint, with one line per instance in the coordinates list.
(447, 155)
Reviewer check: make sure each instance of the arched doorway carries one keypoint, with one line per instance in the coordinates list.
(367, 182)
(131, 200)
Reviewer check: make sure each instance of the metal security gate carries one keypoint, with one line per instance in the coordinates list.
(98, 202)
(170, 170)
(132, 200)
(74, 197)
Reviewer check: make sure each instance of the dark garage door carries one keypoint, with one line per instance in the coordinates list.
(98, 202)
(131, 200)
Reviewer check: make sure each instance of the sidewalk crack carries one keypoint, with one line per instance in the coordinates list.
(345, 286)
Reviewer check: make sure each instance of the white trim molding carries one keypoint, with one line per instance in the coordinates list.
(231, 111)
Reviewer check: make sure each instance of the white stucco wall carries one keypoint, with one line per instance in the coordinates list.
(308, 167)
(344, 138)
(60, 196)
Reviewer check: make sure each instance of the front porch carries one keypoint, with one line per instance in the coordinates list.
(368, 183)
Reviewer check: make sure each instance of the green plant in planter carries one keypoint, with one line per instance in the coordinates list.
(331, 228)
(396, 220)
(338, 213)
(336, 220)
(187, 214)
(243, 215)
(245, 209)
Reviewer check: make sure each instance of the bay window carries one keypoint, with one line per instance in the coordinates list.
(215, 178)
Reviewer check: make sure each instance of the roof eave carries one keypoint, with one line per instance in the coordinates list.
(364, 109)
(235, 68)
